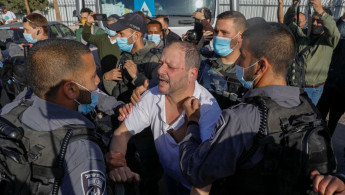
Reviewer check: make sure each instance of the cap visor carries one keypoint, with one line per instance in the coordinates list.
(117, 26)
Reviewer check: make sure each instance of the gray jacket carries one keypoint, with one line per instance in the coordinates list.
(84, 161)
(147, 63)
(203, 163)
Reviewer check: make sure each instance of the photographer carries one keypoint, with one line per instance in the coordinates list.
(108, 50)
(202, 24)
(170, 36)
(315, 51)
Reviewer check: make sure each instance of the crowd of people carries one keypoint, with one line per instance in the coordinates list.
(238, 108)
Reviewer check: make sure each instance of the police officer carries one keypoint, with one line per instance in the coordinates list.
(218, 74)
(266, 52)
(138, 61)
(65, 85)
(155, 34)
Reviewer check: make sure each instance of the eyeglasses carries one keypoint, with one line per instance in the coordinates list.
(27, 20)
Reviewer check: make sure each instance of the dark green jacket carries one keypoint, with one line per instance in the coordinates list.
(96, 31)
(316, 59)
(101, 41)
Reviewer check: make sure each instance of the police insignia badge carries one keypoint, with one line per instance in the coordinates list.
(219, 125)
(93, 182)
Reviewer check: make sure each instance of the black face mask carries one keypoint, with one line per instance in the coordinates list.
(316, 30)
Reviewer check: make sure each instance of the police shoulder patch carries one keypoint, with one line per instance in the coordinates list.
(219, 125)
(93, 182)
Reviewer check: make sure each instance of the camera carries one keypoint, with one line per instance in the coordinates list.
(191, 36)
(100, 17)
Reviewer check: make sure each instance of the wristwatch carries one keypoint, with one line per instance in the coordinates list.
(320, 15)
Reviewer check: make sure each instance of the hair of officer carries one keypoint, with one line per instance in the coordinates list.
(155, 22)
(192, 55)
(238, 17)
(165, 18)
(273, 41)
(52, 61)
(37, 20)
(207, 13)
(85, 9)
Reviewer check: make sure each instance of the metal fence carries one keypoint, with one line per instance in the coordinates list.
(250, 8)
(66, 8)
(267, 9)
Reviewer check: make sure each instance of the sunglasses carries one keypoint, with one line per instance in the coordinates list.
(317, 20)
(27, 20)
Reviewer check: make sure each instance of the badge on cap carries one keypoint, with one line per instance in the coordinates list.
(93, 182)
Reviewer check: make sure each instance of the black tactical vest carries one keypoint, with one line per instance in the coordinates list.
(294, 143)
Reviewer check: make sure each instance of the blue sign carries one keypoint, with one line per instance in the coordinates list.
(146, 6)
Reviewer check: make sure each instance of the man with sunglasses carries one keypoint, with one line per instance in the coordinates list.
(315, 52)
(35, 28)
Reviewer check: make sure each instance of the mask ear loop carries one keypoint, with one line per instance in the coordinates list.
(130, 37)
(236, 42)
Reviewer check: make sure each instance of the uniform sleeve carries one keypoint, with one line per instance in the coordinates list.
(331, 30)
(107, 103)
(85, 171)
(140, 117)
(202, 163)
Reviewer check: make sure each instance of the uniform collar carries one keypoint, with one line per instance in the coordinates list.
(46, 116)
(286, 96)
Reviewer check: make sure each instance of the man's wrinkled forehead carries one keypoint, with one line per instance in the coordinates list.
(172, 52)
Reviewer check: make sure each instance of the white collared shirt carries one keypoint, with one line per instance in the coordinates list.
(150, 111)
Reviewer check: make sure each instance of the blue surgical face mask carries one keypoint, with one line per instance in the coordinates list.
(240, 76)
(122, 42)
(28, 38)
(86, 108)
(110, 32)
(156, 38)
(221, 45)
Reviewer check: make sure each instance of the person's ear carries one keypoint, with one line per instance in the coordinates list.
(193, 74)
(263, 66)
(71, 90)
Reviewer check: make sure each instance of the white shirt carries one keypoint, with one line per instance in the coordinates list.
(112, 41)
(8, 16)
(150, 111)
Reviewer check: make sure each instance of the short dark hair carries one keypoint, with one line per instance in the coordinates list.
(37, 20)
(192, 55)
(155, 22)
(85, 9)
(142, 15)
(207, 13)
(255, 21)
(239, 19)
(52, 61)
(273, 41)
(165, 18)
